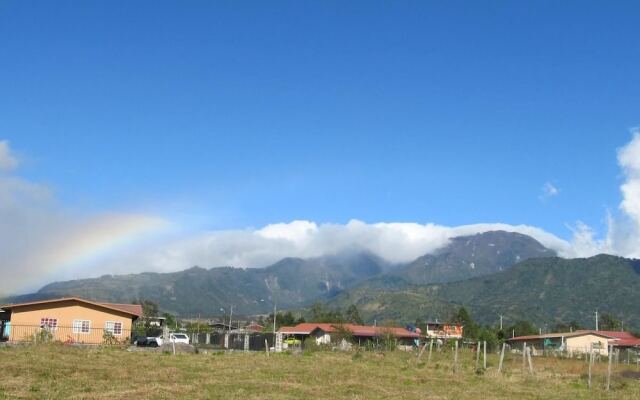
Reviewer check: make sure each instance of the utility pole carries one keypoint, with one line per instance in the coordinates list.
(275, 312)
(230, 316)
(597, 320)
(501, 322)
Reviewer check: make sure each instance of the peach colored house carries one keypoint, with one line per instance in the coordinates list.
(71, 320)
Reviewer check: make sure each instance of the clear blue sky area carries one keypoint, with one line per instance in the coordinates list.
(241, 114)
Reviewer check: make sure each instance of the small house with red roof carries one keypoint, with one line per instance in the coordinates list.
(254, 327)
(323, 333)
(580, 341)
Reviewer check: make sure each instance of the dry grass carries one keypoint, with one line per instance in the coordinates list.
(59, 372)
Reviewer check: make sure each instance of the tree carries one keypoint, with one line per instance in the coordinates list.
(470, 328)
(149, 308)
(564, 327)
(169, 320)
(522, 328)
(609, 323)
(352, 315)
(321, 314)
(488, 335)
(282, 319)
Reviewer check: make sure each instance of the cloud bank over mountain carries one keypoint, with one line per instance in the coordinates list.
(40, 240)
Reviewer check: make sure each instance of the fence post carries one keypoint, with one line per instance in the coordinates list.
(207, 338)
(455, 358)
(477, 354)
(529, 358)
(246, 342)
(590, 363)
(501, 357)
(430, 350)
(610, 348)
(424, 346)
(485, 355)
(278, 345)
(226, 340)
(524, 355)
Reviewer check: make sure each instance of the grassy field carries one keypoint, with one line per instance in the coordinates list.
(61, 372)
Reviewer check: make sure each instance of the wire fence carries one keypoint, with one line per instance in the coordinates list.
(78, 334)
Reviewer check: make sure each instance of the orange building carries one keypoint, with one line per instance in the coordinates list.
(442, 330)
(70, 320)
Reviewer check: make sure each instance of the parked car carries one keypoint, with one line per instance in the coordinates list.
(179, 338)
(148, 342)
(292, 342)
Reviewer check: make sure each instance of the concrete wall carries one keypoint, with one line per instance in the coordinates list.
(582, 344)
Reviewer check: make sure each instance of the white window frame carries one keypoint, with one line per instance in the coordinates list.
(112, 329)
(48, 325)
(78, 326)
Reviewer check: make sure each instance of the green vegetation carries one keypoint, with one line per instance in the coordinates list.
(291, 283)
(56, 372)
(551, 290)
(471, 256)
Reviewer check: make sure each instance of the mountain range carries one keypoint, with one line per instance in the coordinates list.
(493, 273)
(543, 290)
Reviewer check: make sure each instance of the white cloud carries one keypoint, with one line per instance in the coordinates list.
(8, 161)
(548, 191)
(629, 160)
(395, 242)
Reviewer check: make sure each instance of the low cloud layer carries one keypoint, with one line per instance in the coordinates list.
(40, 242)
(395, 242)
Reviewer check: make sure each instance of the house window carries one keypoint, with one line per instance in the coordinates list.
(49, 323)
(114, 328)
(81, 326)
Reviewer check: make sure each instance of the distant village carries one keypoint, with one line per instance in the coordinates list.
(78, 321)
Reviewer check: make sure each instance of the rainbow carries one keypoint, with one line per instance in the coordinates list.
(83, 244)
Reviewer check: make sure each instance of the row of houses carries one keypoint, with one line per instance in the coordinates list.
(322, 332)
(77, 320)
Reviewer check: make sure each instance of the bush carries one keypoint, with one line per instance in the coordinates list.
(43, 335)
(310, 345)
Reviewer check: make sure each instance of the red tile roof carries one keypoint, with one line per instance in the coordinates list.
(357, 330)
(625, 339)
(618, 338)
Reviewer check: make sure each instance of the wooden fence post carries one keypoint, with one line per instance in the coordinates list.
(422, 350)
(485, 355)
(590, 360)
(501, 357)
(524, 355)
(430, 350)
(609, 368)
(266, 347)
(455, 358)
(529, 359)
(477, 355)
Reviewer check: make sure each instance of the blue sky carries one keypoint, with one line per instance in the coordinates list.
(234, 114)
